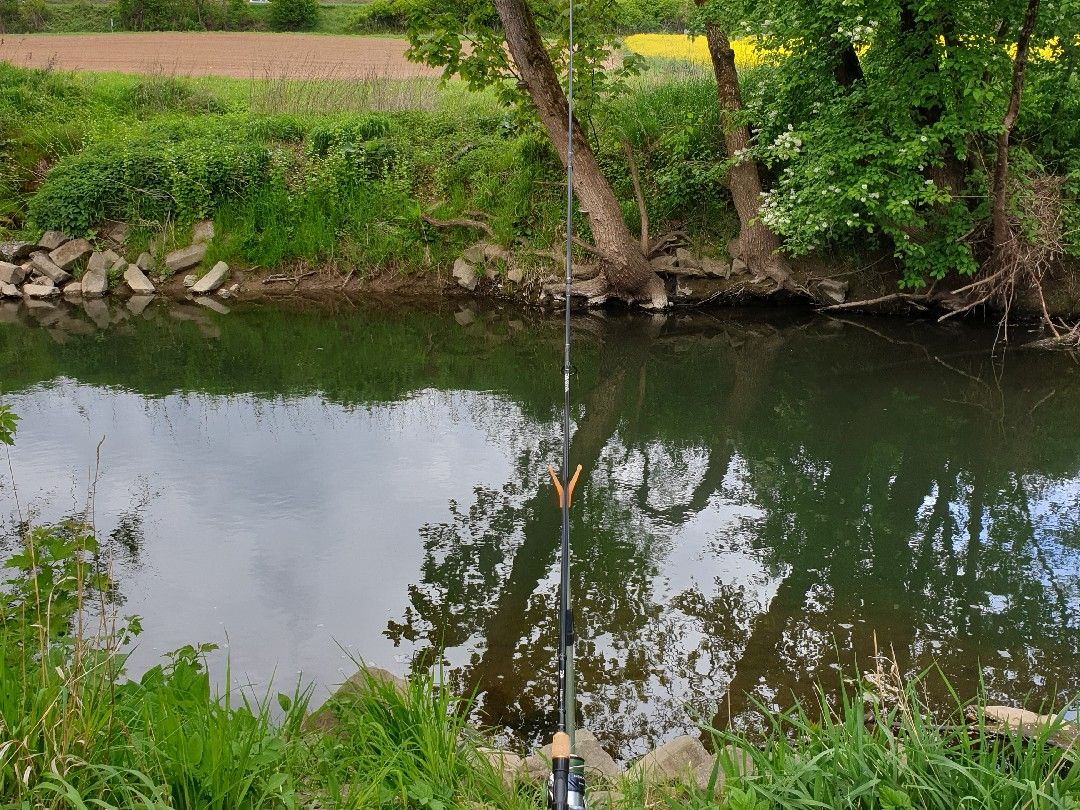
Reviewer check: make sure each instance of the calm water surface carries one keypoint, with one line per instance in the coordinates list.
(760, 491)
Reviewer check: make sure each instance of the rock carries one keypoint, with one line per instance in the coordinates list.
(604, 798)
(43, 264)
(51, 240)
(190, 279)
(509, 765)
(11, 274)
(323, 719)
(212, 280)
(9, 290)
(474, 254)
(738, 267)
(137, 304)
(102, 260)
(137, 281)
(145, 262)
(116, 232)
(495, 253)
(224, 294)
(515, 275)
(598, 762)
(464, 316)
(39, 291)
(1030, 724)
(686, 259)
(664, 263)
(187, 257)
(832, 291)
(72, 290)
(714, 268)
(465, 274)
(203, 232)
(537, 767)
(235, 289)
(16, 251)
(740, 760)
(94, 284)
(9, 312)
(213, 304)
(674, 761)
(71, 254)
(98, 311)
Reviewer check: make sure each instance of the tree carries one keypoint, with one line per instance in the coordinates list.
(757, 245)
(439, 37)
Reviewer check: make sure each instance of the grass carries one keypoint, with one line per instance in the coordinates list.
(158, 151)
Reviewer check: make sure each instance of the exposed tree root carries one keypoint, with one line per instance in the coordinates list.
(1027, 252)
(460, 222)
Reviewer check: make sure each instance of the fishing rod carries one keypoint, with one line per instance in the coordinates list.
(567, 785)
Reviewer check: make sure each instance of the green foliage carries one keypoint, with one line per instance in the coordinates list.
(647, 16)
(8, 421)
(183, 15)
(383, 16)
(21, 16)
(293, 15)
(147, 179)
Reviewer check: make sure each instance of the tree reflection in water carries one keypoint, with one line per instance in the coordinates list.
(761, 504)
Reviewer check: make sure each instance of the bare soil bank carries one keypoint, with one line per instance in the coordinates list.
(243, 55)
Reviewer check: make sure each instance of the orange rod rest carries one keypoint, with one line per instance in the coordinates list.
(569, 492)
(570, 487)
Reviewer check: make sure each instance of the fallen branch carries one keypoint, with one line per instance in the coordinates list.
(460, 222)
(278, 279)
(348, 278)
(884, 299)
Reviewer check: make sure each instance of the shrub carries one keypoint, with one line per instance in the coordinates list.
(156, 179)
(184, 15)
(381, 15)
(22, 16)
(293, 15)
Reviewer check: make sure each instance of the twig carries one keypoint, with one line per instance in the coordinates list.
(278, 279)
(348, 278)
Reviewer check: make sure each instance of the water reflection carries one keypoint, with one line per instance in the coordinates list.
(760, 492)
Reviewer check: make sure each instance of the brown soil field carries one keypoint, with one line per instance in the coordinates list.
(239, 55)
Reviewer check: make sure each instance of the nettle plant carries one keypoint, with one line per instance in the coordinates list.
(878, 119)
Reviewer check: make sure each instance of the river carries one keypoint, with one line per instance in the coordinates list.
(765, 494)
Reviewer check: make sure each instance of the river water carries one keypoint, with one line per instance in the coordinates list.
(765, 494)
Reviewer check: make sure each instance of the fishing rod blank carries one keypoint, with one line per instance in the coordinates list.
(567, 785)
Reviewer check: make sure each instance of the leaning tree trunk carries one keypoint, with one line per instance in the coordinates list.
(757, 245)
(998, 195)
(624, 269)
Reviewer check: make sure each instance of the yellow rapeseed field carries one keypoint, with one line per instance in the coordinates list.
(747, 54)
(691, 49)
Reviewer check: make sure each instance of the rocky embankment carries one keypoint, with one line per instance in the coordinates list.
(58, 266)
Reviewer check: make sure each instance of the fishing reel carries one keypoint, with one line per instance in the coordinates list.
(566, 785)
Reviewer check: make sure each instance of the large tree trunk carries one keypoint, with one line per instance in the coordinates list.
(624, 267)
(757, 245)
(998, 192)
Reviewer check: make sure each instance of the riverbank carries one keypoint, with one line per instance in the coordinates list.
(80, 733)
(337, 189)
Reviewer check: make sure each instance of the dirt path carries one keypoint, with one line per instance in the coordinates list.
(240, 55)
